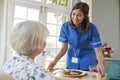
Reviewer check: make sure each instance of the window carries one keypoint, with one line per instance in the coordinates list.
(54, 22)
(53, 14)
(25, 11)
(89, 2)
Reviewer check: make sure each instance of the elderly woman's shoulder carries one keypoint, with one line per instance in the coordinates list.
(38, 68)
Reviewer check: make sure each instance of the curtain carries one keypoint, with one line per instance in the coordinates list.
(6, 20)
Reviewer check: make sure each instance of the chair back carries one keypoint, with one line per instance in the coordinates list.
(5, 76)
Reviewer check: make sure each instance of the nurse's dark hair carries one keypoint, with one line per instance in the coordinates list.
(85, 9)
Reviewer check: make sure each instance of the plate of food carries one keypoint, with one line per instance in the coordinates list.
(73, 73)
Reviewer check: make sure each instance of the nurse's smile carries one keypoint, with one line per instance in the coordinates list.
(77, 17)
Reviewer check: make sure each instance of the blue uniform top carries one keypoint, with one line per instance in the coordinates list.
(81, 46)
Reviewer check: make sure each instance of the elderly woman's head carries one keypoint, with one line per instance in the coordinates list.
(28, 36)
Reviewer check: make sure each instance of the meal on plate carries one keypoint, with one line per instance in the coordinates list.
(71, 72)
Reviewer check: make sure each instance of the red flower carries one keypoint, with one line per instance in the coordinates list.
(108, 49)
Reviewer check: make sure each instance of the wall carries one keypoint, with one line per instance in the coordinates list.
(1, 62)
(0, 15)
(105, 14)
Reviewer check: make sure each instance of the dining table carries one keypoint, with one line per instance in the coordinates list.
(58, 75)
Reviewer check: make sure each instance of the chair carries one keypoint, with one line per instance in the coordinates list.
(112, 68)
(5, 76)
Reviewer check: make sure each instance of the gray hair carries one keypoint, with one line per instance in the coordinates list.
(28, 36)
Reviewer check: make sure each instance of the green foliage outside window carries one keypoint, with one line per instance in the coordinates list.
(60, 2)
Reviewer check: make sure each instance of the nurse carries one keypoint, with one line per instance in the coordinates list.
(81, 41)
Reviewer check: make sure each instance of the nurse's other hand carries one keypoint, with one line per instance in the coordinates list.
(101, 69)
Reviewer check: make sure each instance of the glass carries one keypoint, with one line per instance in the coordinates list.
(20, 12)
(38, 0)
(51, 42)
(51, 18)
(52, 29)
(50, 53)
(61, 18)
(93, 71)
(33, 14)
(17, 21)
(93, 68)
(55, 18)
(59, 44)
(58, 30)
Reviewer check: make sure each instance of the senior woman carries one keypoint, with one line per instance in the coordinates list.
(28, 39)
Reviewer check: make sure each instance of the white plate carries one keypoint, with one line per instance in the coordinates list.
(82, 74)
(59, 73)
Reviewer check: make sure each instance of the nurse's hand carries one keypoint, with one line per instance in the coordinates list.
(51, 65)
(101, 69)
